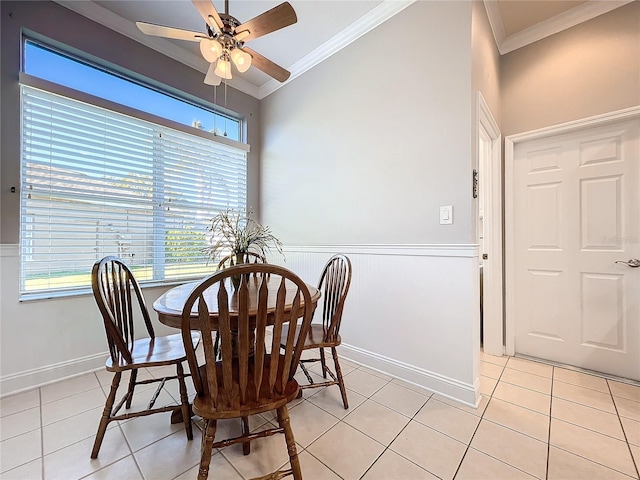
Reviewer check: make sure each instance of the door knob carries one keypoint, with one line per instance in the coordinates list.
(633, 263)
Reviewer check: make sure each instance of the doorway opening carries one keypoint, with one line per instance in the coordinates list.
(489, 229)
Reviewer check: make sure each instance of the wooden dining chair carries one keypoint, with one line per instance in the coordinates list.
(237, 259)
(334, 284)
(251, 377)
(121, 304)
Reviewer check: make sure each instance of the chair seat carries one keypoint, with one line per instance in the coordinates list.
(154, 352)
(315, 337)
(205, 407)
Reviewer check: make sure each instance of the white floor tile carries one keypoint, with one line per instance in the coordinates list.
(377, 421)
(331, 450)
(309, 422)
(170, 456)
(449, 420)
(401, 399)
(19, 402)
(19, 423)
(392, 465)
(593, 425)
(19, 450)
(435, 452)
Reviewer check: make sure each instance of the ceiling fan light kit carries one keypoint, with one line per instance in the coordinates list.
(223, 42)
(242, 60)
(210, 49)
(223, 68)
(211, 78)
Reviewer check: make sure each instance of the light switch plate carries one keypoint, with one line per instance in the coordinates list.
(446, 215)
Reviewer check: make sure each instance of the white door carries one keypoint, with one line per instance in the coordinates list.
(576, 212)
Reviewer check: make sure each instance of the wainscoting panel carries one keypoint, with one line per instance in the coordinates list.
(412, 311)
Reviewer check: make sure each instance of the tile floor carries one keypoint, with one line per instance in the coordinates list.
(535, 421)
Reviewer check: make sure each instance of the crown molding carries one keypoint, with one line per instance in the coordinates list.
(495, 21)
(101, 15)
(376, 16)
(568, 19)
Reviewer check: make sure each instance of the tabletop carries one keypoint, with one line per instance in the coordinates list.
(169, 305)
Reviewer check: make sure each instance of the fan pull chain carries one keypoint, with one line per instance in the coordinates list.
(225, 106)
(215, 104)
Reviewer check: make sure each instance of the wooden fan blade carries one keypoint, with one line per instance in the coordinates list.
(209, 13)
(278, 17)
(170, 32)
(267, 66)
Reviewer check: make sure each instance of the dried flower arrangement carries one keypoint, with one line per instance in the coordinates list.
(235, 232)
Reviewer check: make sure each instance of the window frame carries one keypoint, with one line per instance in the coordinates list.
(73, 94)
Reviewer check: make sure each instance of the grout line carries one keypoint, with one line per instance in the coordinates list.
(553, 372)
(478, 425)
(41, 434)
(585, 371)
(411, 419)
(633, 459)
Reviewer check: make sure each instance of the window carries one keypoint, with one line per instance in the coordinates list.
(97, 181)
(62, 69)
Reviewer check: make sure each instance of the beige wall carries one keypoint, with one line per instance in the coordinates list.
(59, 24)
(358, 154)
(48, 339)
(485, 57)
(366, 146)
(590, 69)
(485, 78)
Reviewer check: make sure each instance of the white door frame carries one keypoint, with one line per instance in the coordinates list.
(509, 146)
(492, 274)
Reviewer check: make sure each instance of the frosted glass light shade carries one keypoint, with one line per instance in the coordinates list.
(223, 69)
(210, 49)
(241, 59)
(211, 78)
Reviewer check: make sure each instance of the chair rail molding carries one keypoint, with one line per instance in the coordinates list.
(437, 250)
(9, 250)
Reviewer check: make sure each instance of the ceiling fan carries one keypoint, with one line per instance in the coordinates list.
(223, 41)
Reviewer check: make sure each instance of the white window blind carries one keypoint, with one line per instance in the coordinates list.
(97, 182)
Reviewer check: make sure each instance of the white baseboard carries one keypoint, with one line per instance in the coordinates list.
(461, 392)
(12, 384)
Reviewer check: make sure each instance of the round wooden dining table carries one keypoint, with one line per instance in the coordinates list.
(170, 304)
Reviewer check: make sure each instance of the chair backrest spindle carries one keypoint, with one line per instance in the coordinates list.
(334, 284)
(114, 288)
(268, 295)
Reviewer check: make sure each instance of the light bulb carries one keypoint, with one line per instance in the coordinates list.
(211, 78)
(223, 68)
(241, 59)
(210, 49)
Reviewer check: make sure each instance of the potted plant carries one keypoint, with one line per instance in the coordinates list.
(234, 232)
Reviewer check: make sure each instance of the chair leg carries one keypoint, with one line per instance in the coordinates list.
(343, 390)
(106, 415)
(132, 386)
(285, 423)
(184, 400)
(246, 446)
(208, 434)
(323, 361)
